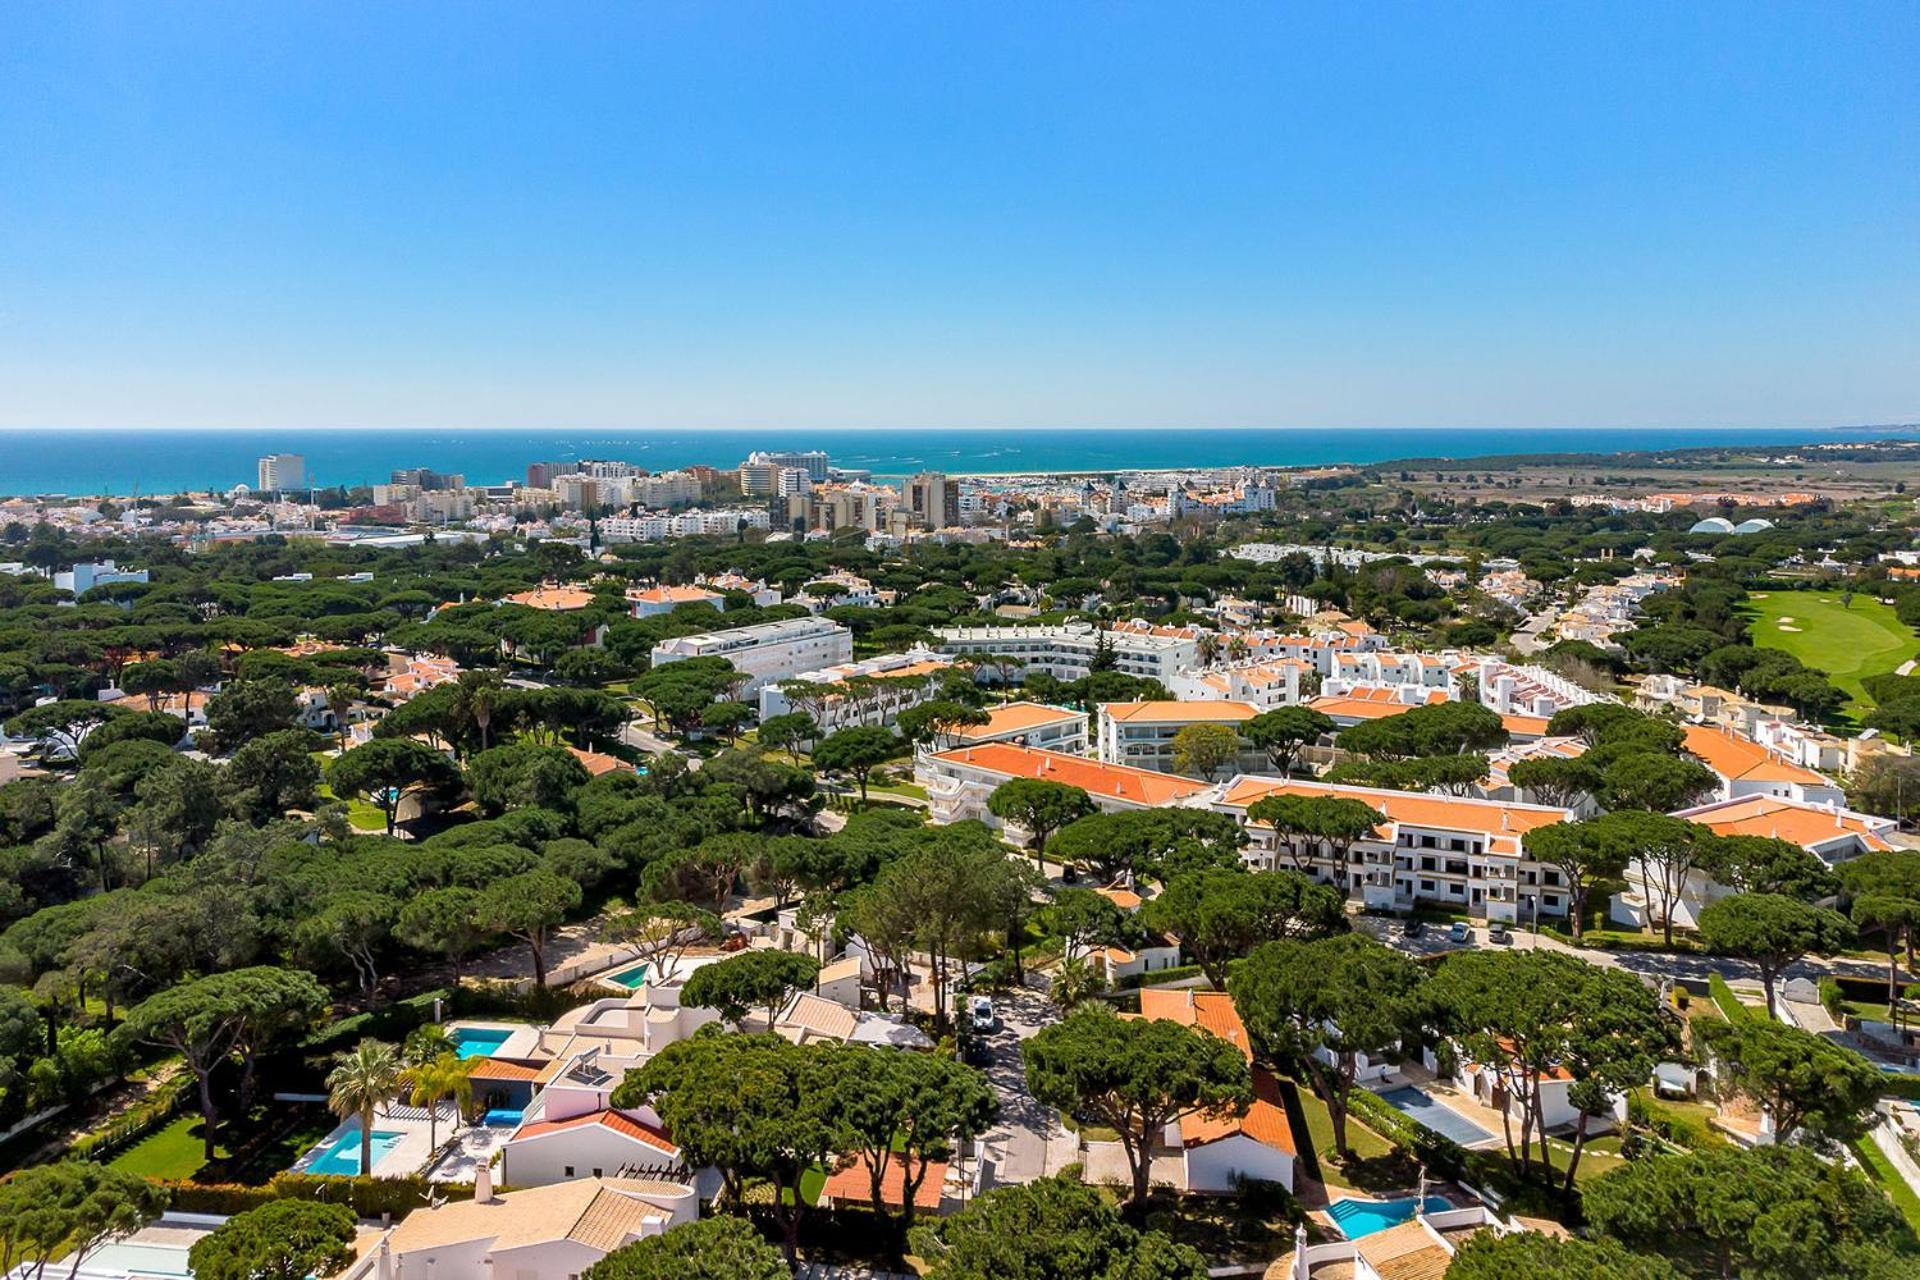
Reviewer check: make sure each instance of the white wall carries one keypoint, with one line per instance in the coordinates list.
(538, 1162)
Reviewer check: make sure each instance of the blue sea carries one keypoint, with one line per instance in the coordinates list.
(90, 461)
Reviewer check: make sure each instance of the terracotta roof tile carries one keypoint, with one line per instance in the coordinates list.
(1100, 781)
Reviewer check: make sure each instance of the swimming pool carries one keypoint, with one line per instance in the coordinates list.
(138, 1258)
(502, 1118)
(343, 1157)
(630, 978)
(478, 1042)
(1436, 1115)
(1357, 1218)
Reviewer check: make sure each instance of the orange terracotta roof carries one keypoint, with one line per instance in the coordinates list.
(1805, 825)
(1125, 899)
(1404, 1252)
(1528, 726)
(1265, 1121)
(1370, 704)
(1734, 757)
(672, 595)
(1172, 712)
(1101, 781)
(855, 1182)
(502, 1069)
(560, 599)
(1505, 823)
(598, 762)
(177, 704)
(614, 1121)
(1016, 717)
(1209, 1010)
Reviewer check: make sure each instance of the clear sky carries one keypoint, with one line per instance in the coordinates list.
(967, 213)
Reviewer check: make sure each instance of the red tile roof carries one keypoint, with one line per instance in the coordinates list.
(1100, 781)
(616, 1121)
(855, 1182)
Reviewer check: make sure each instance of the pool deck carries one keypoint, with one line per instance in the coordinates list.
(1413, 1075)
(407, 1155)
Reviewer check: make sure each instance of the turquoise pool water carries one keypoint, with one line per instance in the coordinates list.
(629, 978)
(478, 1042)
(1357, 1218)
(343, 1157)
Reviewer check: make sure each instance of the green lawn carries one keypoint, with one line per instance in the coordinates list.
(1881, 1170)
(1849, 643)
(171, 1152)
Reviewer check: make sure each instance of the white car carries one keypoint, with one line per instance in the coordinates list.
(980, 1013)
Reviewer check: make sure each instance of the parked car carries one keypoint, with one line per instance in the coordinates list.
(1498, 932)
(979, 1052)
(1414, 929)
(1460, 932)
(980, 1013)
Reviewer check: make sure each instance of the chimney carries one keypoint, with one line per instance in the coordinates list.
(483, 1181)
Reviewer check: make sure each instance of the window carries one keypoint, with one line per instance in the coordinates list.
(596, 1173)
(1426, 886)
(567, 1172)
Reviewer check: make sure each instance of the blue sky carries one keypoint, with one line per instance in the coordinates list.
(965, 214)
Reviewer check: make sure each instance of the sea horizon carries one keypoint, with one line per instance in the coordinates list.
(122, 461)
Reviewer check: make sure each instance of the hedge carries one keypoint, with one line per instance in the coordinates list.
(391, 1023)
(367, 1197)
(161, 1106)
(1179, 973)
(1435, 1150)
(1729, 1003)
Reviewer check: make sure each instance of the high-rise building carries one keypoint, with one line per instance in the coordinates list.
(759, 479)
(931, 499)
(812, 461)
(283, 472)
(540, 474)
(427, 479)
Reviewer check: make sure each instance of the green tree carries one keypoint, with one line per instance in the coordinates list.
(1285, 732)
(280, 1240)
(1154, 844)
(1655, 783)
(1534, 1255)
(446, 1076)
(208, 1019)
(59, 1213)
(787, 732)
(753, 979)
(1773, 931)
(751, 1106)
(1563, 783)
(1135, 1077)
(1584, 853)
(388, 770)
(1770, 1213)
(723, 1248)
(527, 907)
(1205, 749)
(663, 932)
(443, 921)
(1316, 826)
(249, 709)
(856, 752)
(364, 1079)
(1438, 729)
(522, 775)
(1668, 851)
(1528, 1014)
(63, 725)
(1221, 915)
(271, 775)
(1051, 1229)
(1039, 806)
(1801, 1079)
(1348, 996)
(908, 1108)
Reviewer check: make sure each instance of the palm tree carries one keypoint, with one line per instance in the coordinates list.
(1207, 649)
(360, 1081)
(1237, 649)
(447, 1076)
(340, 701)
(427, 1042)
(1075, 981)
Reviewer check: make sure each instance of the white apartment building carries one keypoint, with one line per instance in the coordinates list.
(1066, 651)
(1745, 768)
(279, 472)
(875, 690)
(958, 782)
(84, 577)
(1030, 724)
(647, 527)
(768, 651)
(649, 602)
(1463, 855)
(1261, 685)
(1141, 734)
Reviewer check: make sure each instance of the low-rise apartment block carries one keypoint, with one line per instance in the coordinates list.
(958, 782)
(1066, 651)
(1440, 851)
(767, 651)
(1141, 734)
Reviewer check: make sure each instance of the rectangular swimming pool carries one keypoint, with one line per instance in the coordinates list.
(478, 1042)
(1436, 1115)
(632, 978)
(343, 1157)
(131, 1258)
(1357, 1218)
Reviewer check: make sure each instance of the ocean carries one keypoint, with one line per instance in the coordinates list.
(121, 462)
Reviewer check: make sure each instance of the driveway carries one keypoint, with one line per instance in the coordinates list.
(1020, 1144)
